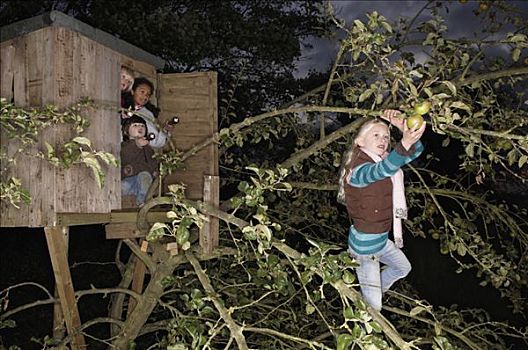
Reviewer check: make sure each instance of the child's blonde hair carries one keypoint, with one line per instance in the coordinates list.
(349, 155)
(128, 74)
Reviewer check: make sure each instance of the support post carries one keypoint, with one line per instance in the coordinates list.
(63, 282)
(58, 316)
(138, 279)
(211, 195)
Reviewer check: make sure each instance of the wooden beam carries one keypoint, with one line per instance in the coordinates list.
(152, 216)
(64, 284)
(122, 231)
(76, 219)
(138, 279)
(58, 316)
(211, 195)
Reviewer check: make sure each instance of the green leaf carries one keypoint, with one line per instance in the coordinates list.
(171, 214)
(461, 105)
(365, 95)
(461, 249)
(522, 160)
(96, 168)
(450, 86)
(517, 38)
(344, 341)
(516, 53)
(108, 158)
(182, 234)
(414, 92)
(348, 277)
(82, 141)
(359, 24)
(49, 148)
(387, 26)
(376, 326)
(156, 231)
(470, 148)
(348, 313)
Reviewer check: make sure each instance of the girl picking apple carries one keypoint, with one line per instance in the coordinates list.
(371, 187)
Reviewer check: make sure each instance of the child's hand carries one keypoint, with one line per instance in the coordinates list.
(398, 242)
(127, 170)
(393, 117)
(141, 142)
(411, 136)
(168, 126)
(125, 114)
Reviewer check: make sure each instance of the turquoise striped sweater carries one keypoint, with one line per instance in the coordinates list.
(365, 174)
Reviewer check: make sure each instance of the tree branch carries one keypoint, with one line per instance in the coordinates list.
(461, 81)
(274, 333)
(236, 330)
(144, 257)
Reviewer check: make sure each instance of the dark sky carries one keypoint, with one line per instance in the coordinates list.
(461, 21)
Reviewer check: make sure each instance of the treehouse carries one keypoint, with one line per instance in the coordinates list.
(56, 59)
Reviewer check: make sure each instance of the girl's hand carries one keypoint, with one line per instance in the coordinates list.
(393, 117)
(411, 136)
(125, 114)
(168, 126)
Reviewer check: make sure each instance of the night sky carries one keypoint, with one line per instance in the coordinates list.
(460, 19)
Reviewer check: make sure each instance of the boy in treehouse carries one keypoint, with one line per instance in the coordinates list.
(138, 168)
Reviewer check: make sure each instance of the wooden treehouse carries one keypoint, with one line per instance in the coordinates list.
(56, 59)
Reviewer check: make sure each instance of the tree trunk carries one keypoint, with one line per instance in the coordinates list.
(149, 298)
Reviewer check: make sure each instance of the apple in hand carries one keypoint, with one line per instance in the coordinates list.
(415, 121)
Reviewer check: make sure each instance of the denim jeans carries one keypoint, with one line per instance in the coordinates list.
(137, 185)
(374, 283)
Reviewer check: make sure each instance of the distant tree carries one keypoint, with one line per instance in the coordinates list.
(253, 45)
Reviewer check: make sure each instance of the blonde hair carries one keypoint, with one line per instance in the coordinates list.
(350, 154)
(129, 74)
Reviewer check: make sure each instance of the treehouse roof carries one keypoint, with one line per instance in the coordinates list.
(59, 19)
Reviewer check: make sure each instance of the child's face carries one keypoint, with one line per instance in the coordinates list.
(375, 139)
(141, 95)
(126, 81)
(136, 130)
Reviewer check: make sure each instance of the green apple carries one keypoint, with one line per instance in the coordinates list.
(422, 108)
(415, 121)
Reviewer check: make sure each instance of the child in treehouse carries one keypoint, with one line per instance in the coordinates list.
(127, 79)
(138, 168)
(138, 101)
(371, 187)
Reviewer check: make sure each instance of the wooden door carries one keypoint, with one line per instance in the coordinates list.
(193, 98)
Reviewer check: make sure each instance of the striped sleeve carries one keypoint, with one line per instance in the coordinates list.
(367, 173)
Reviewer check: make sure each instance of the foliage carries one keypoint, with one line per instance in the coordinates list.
(23, 127)
(182, 217)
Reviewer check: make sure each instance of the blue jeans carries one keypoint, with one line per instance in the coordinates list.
(137, 185)
(372, 281)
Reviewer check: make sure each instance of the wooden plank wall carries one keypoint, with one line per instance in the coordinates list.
(56, 65)
(29, 83)
(193, 98)
(86, 68)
